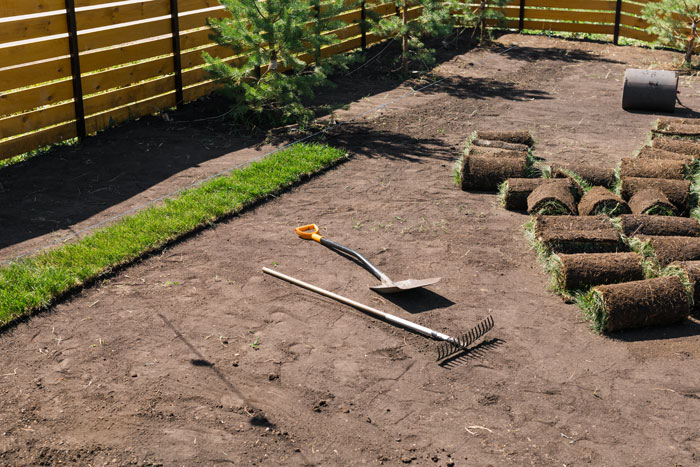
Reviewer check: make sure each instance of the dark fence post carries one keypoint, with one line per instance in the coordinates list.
(363, 26)
(618, 11)
(75, 69)
(521, 19)
(177, 62)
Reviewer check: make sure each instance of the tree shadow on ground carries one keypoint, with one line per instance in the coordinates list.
(465, 87)
(362, 139)
(533, 54)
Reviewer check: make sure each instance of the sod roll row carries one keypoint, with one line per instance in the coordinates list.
(677, 191)
(650, 302)
(514, 192)
(553, 197)
(487, 172)
(600, 200)
(632, 225)
(651, 153)
(691, 270)
(653, 202)
(668, 249)
(583, 270)
(513, 137)
(592, 174)
(496, 144)
(652, 168)
(675, 145)
(577, 234)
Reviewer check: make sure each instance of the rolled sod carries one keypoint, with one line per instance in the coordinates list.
(584, 270)
(489, 143)
(668, 249)
(677, 191)
(680, 146)
(515, 137)
(552, 197)
(636, 304)
(655, 153)
(577, 234)
(494, 152)
(485, 173)
(651, 201)
(516, 190)
(652, 168)
(600, 200)
(633, 224)
(663, 122)
(678, 129)
(596, 176)
(692, 272)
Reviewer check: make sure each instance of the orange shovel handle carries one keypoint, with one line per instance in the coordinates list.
(309, 232)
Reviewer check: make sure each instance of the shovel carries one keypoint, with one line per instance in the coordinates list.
(310, 232)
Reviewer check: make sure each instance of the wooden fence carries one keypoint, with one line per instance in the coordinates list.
(74, 67)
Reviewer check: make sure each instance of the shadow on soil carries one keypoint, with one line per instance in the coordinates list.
(478, 352)
(533, 54)
(363, 140)
(419, 300)
(465, 87)
(687, 328)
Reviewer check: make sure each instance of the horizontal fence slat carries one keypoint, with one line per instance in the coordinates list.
(111, 15)
(604, 5)
(32, 28)
(127, 75)
(118, 35)
(98, 122)
(633, 21)
(27, 7)
(636, 34)
(28, 75)
(36, 140)
(38, 96)
(123, 96)
(563, 15)
(24, 123)
(34, 51)
(564, 27)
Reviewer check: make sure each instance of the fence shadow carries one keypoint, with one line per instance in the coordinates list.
(69, 184)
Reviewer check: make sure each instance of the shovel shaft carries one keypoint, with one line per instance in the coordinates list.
(372, 268)
(372, 311)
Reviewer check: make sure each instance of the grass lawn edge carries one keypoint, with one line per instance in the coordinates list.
(37, 282)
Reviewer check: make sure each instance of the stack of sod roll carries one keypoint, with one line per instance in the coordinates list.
(623, 243)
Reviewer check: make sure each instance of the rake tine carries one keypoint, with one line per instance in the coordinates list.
(461, 343)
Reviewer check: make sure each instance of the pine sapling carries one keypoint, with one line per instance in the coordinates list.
(675, 23)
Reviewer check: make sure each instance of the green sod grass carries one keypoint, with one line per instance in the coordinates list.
(36, 282)
(673, 270)
(593, 307)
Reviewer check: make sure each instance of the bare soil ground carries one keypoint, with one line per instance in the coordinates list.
(154, 365)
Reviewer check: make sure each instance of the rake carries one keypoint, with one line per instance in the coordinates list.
(449, 345)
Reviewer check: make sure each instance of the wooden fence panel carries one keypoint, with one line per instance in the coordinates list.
(27, 7)
(126, 55)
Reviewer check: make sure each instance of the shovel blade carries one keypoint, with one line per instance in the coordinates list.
(408, 284)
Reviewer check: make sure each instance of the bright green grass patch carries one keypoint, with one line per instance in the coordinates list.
(593, 307)
(457, 171)
(36, 282)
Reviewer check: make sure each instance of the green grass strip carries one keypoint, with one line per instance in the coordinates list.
(36, 282)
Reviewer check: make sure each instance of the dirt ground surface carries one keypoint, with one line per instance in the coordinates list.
(193, 356)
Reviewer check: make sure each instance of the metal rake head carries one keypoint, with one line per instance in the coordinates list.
(451, 347)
